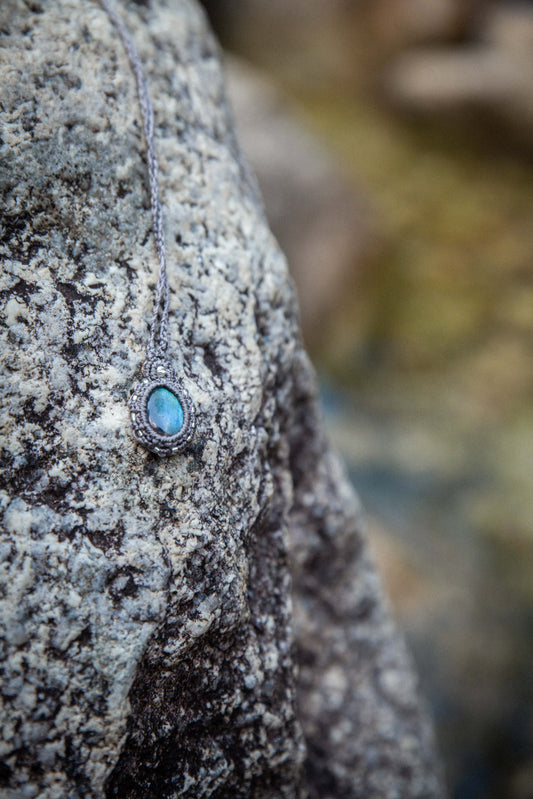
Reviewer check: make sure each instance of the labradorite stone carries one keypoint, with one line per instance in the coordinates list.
(164, 411)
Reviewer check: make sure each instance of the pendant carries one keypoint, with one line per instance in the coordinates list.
(161, 412)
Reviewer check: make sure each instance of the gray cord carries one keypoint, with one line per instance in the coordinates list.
(159, 324)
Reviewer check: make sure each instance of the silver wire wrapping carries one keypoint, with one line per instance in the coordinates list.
(158, 373)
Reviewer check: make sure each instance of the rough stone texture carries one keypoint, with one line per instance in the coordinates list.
(149, 644)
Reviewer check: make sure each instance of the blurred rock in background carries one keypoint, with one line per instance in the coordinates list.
(427, 353)
(490, 76)
(397, 25)
(320, 219)
(484, 62)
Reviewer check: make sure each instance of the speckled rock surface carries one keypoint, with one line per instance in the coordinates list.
(149, 642)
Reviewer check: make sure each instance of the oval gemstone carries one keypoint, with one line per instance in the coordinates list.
(165, 412)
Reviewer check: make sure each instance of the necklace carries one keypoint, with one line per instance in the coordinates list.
(161, 411)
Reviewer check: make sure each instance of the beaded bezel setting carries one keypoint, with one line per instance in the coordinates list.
(158, 373)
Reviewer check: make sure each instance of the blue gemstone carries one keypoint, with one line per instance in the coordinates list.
(164, 411)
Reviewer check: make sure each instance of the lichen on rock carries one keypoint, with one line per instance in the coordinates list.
(151, 646)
